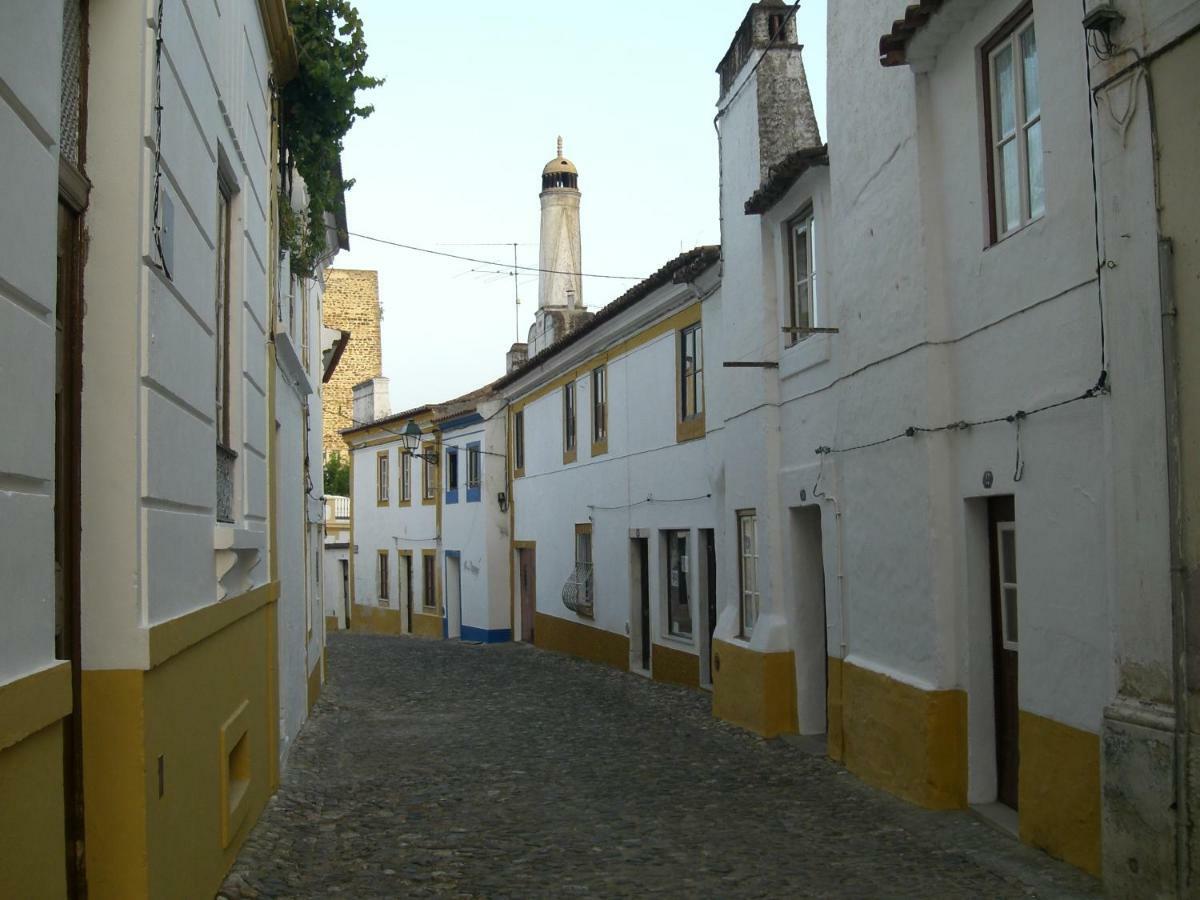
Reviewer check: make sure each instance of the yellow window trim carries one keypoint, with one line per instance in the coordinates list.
(384, 455)
(692, 428)
(380, 596)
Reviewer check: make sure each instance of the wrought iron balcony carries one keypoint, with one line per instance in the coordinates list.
(577, 592)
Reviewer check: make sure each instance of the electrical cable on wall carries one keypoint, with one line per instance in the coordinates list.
(158, 111)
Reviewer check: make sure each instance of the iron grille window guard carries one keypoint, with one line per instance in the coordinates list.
(225, 462)
(577, 592)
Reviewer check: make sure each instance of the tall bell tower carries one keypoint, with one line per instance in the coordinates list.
(560, 286)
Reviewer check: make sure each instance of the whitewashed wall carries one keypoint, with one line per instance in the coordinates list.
(30, 54)
(149, 348)
(643, 460)
(479, 531)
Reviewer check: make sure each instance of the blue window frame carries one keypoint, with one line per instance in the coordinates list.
(474, 472)
(451, 474)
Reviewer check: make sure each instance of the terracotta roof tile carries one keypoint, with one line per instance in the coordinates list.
(780, 178)
(893, 47)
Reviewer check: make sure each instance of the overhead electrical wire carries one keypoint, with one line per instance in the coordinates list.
(490, 262)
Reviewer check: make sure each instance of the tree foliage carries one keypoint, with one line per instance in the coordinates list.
(319, 107)
(337, 477)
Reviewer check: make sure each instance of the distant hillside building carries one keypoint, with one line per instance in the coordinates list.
(351, 304)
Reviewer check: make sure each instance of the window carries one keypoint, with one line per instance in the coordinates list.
(382, 575)
(1016, 188)
(1006, 539)
(569, 422)
(599, 409)
(474, 472)
(223, 308)
(690, 385)
(801, 312)
(381, 478)
(428, 584)
(519, 442)
(451, 474)
(679, 612)
(577, 592)
(429, 478)
(405, 463)
(748, 570)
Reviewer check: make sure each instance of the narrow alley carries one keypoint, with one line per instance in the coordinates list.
(451, 769)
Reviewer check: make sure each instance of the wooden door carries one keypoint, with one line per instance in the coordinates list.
(525, 565)
(1003, 553)
(408, 593)
(644, 597)
(710, 562)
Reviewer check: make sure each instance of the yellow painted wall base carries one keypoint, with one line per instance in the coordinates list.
(32, 842)
(331, 623)
(147, 838)
(427, 625)
(835, 739)
(1059, 790)
(910, 742)
(577, 639)
(674, 666)
(754, 690)
(376, 620)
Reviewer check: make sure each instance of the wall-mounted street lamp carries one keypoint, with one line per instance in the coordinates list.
(410, 440)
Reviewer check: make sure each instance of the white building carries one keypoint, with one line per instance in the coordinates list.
(151, 675)
(613, 527)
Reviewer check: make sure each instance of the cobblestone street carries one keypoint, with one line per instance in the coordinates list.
(433, 768)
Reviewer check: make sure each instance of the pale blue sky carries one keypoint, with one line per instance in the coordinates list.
(476, 94)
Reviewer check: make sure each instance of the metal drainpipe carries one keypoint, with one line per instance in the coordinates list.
(1179, 645)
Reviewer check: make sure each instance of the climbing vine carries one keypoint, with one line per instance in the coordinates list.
(318, 108)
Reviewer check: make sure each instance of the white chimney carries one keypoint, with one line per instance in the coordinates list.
(371, 401)
(517, 356)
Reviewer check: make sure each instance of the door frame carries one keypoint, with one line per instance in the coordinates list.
(520, 549)
(453, 593)
(707, 604)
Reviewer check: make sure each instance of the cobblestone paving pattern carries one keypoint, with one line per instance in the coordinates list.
(447, 769)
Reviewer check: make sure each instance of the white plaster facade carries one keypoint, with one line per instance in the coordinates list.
(643, 484)
(30, 63)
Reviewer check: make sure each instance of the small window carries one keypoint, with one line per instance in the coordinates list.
(599, 405)
(679, 611)
(1016, 188)
(691, 373)
(405, 463)
(519, 441)
(583, 562)
(569, 417)
(748, 570)
(801, 311)
(428, 583)
(429, 477)
(451, 474)
(474, 472)
(1006, 539)
(384, 587)
(381, 478)
(224, 310)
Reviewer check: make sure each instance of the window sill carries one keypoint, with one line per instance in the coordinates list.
(1016, 231)
(452, 496)
(804, 355)
(569, 456)
(474, 494)
(678, 640)
(689, 429)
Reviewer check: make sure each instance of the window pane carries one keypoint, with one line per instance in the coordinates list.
(1005, 91)
(1008, 555)
(1033, 101)
(1037, 187)
(1010, 185)
(1010, 615)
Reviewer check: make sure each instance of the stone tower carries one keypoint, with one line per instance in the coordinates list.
(560, 288)
(351, 303)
